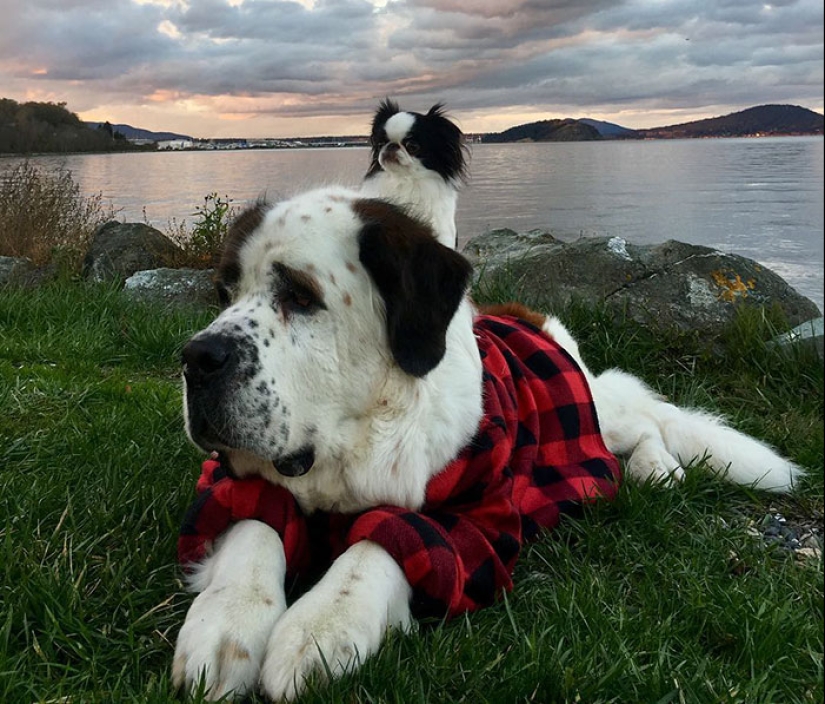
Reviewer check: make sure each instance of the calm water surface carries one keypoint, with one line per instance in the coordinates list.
(761, 198)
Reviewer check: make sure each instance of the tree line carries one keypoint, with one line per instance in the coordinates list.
(28, 128)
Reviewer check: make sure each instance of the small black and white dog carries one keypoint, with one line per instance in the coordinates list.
(419, 162)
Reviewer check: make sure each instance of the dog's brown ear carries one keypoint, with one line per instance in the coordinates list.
(240, 230)
(421, 281)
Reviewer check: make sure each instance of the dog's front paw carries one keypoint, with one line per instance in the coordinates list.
(322, 638)
(335, 626)
(222, 642)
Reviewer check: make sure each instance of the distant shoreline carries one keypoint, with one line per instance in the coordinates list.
(307, 146)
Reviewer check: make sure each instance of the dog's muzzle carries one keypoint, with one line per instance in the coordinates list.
(205, 359)
(210, 361)
(389, 154)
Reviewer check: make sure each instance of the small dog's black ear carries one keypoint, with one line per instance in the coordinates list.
(378, 137)
(386, 109)
(388, 106)
(421, 281)
(436, 110)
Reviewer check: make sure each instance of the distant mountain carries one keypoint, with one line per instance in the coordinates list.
(608, 129)
(130, 133)
(760, 120)
(567, 130)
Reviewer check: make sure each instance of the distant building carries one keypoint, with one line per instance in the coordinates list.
(175, 144)
(226, 143)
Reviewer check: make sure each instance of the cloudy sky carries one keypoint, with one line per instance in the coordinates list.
(253, 68)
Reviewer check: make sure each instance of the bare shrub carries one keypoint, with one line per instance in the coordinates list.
(45, 217)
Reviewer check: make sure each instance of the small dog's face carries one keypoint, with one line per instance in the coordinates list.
(409, 143)
(329, 297)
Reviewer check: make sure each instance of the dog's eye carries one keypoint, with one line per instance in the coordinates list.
(412, 147)
(296, 291)
(294, 299)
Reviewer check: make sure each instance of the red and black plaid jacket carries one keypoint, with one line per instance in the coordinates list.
(538, 453)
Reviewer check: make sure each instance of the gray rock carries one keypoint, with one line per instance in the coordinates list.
(120, 249)
(15, 270)
(670, 284)
(173, 287)
(502, 244)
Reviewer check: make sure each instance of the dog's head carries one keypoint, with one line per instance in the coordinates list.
(414, 144)
(327, 297)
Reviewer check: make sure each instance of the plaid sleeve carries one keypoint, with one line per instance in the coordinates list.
(454, 562)
(224, 499)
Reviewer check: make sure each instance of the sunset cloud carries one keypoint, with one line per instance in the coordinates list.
(278, 67)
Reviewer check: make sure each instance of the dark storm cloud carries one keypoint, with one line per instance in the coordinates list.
(337, 56)
(80, 40)
(279, 21)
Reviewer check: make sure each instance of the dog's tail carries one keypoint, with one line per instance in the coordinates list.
(660, 438)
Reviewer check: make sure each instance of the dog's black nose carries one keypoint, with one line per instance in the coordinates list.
(206, 356)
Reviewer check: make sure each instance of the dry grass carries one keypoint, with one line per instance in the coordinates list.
(45, 217)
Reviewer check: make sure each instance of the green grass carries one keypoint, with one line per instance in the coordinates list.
(662, 596)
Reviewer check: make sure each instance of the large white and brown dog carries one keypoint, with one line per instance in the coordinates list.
(367, 418)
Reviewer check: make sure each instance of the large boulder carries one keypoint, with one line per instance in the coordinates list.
(21, 272)
(670, 284)
(119, 249)
(14, 270)
(173, 287)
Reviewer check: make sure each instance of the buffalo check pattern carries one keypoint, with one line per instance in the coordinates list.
(538, 454)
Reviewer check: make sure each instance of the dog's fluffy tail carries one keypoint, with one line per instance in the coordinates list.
(660, 438)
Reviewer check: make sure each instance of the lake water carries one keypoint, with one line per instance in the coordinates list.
(761, 198)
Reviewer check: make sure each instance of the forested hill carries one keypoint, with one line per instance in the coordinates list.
(547, 131)
(29, 128)
(760, 120)
(138, 133)
(757, 121)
